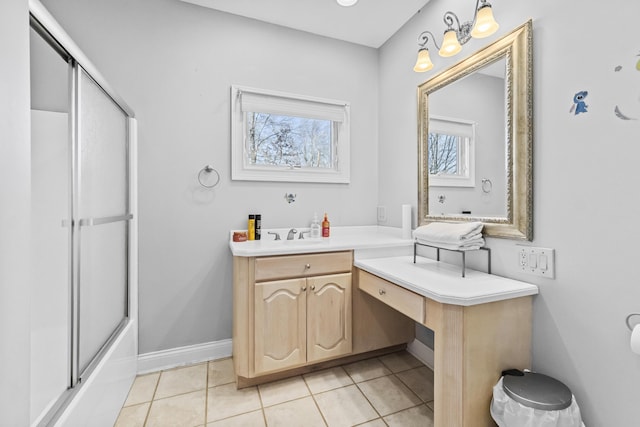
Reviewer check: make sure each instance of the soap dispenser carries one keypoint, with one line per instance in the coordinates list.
(316, 229)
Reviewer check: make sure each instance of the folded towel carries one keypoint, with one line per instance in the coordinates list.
(449, 232)
(468, 245)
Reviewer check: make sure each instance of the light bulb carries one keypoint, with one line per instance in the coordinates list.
(424, 61)
(450, 44)
(485, 23)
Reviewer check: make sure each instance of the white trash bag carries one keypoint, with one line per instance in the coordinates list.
(509, 413)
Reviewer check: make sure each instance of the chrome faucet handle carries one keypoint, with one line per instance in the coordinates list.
(302, 233)
(291, 233)
(275, 234)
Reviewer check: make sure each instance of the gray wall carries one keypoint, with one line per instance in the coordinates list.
(586, 201)
(14, 213)
(174, 64)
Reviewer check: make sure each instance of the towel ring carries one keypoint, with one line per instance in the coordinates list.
(629, 318)
(208, 169)
(487, 185)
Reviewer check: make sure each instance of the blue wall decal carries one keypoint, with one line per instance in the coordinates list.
(579, 106)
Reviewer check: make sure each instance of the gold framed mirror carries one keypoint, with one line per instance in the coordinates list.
(502, 166)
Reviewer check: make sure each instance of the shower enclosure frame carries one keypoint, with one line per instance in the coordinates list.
(102, 385)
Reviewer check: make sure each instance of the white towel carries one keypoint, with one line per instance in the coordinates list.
(468, 245)
(449, 232)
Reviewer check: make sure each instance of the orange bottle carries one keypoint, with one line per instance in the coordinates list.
(326, 225)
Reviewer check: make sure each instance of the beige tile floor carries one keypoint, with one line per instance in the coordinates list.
(392, 390)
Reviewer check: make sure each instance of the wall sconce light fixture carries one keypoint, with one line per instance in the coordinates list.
(482, 25)
(347, 3)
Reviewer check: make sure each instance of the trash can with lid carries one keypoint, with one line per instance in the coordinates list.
(534, 400)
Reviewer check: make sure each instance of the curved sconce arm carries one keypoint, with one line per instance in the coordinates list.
(448, 20)
(423, 38)
(463, 31)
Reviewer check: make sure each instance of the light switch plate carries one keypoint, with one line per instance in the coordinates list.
(536, 261)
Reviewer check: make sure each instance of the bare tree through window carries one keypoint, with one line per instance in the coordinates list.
(444, 154)
(277, 140)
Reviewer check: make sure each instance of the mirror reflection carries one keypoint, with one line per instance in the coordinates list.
(467, 145)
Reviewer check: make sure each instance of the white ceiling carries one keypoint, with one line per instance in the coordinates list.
(368, 22)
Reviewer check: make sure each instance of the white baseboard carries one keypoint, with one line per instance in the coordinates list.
(421, 352)
(181, 356)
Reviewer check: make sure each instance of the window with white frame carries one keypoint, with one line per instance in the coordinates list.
(451, 152)
(278, 136)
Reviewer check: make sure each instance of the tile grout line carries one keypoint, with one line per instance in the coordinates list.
(395, 374)
(313, 397)
(153, 396)
(396, 412)
(206, 395)
(363, 393)
(264, 415)
(369, 401)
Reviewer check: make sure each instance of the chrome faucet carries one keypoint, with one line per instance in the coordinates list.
(302, 233)
(291, 233)
(277, 236)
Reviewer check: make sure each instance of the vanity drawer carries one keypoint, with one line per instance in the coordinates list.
(282, 267)
(406, 302)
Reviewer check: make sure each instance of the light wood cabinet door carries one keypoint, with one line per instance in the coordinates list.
(328, 316)
(280, 324)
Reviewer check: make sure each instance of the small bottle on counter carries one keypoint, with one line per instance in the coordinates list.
(326, 226)
(239, 236)
(315, 229)
(251, 227)
(258, 226)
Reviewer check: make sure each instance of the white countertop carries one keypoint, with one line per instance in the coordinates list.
(342, 238)
(443, 282)
(376, 248)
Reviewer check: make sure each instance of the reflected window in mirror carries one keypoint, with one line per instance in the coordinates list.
(451, 152)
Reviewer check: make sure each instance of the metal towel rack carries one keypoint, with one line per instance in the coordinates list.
(207, 170)
(464, 253)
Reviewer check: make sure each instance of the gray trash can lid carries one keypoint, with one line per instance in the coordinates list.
(537, 391)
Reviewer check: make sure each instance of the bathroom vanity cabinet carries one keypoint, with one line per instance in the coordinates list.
(297, 313)
(305, 306)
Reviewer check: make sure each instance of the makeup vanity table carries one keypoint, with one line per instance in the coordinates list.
(481, 324)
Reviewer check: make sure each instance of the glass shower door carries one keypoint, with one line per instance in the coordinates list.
(103, 215)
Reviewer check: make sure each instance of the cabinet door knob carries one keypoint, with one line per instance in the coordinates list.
(382, 291)
(304, 288)
(313, 287)
(307, 266)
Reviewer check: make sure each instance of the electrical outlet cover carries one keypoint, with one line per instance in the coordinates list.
(537, 261)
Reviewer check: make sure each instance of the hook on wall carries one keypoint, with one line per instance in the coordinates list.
(487, 185)
(290, 197)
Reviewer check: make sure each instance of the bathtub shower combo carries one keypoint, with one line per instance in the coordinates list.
(84, 245)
